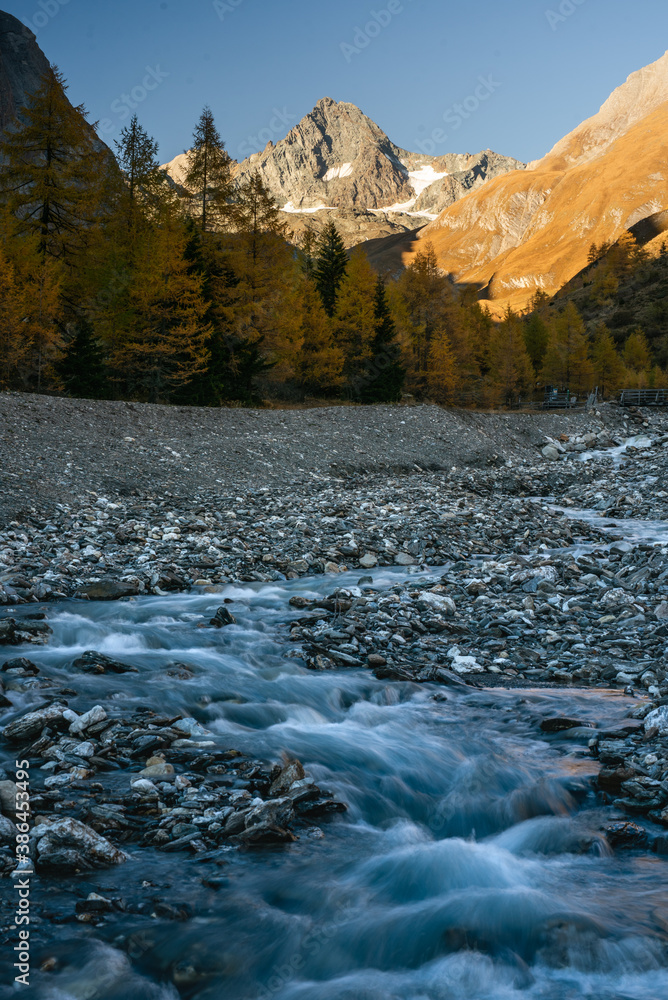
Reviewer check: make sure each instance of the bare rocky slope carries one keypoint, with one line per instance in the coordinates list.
(532, 229)
(22, 66)
(22, 63)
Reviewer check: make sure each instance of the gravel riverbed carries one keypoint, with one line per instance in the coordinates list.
(465, 551)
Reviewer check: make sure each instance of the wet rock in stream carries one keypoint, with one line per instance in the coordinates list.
(177, 790)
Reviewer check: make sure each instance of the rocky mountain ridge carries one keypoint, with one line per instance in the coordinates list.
(337, 159)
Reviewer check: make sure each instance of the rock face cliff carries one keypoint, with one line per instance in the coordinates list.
(532, 229)
(22, 63)
(337, 158)
(22, 66)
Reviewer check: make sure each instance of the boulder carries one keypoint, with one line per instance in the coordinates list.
(109, 590)
(68, 845)
(659, 719)
(31, 724)
(15, 632)
(222, 618)
(7, 832)
(92, 662)
(291, 772)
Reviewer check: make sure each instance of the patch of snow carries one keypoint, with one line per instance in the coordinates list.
(423, 178)
(289, 207)
(419, 180)
(405, 209)
(344, 170)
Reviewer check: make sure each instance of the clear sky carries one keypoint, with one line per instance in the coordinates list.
(415, 66)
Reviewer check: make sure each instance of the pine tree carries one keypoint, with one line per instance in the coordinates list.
(385, 373)
(637, 353)
(442, 370)
(608, 366)
(330, 266)
(511, 375)
(52, 171)
(208, 173)
(567, 362)
(137, 157)
(164, 344)
(82, 369)
(319, 364)
(355, 320)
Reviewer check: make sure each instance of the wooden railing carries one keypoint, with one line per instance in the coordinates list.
(644, 397)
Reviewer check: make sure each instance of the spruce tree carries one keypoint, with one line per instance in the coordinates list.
(208, 173)
(385, 373)
(354, 324)
(330, 266)
(52, 170)
(82, 369)
(307, 250)
(137, 157)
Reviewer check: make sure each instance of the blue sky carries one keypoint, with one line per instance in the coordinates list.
(414, 66)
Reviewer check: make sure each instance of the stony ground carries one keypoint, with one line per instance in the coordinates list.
(55, 450)
(112, 500)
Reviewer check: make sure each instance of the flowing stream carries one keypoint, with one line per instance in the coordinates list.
(470, 863)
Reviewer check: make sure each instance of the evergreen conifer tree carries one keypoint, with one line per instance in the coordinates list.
(52, 173)
(82, 369)
(385, 373)
(208, 176)
(331, 264)
(137, 157)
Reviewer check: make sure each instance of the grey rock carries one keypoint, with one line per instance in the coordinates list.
(31, 724)
(109, 590)
(69, 844)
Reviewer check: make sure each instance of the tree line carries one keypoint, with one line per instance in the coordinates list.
(116, 282)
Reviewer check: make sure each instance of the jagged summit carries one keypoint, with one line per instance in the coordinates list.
(337, 157)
